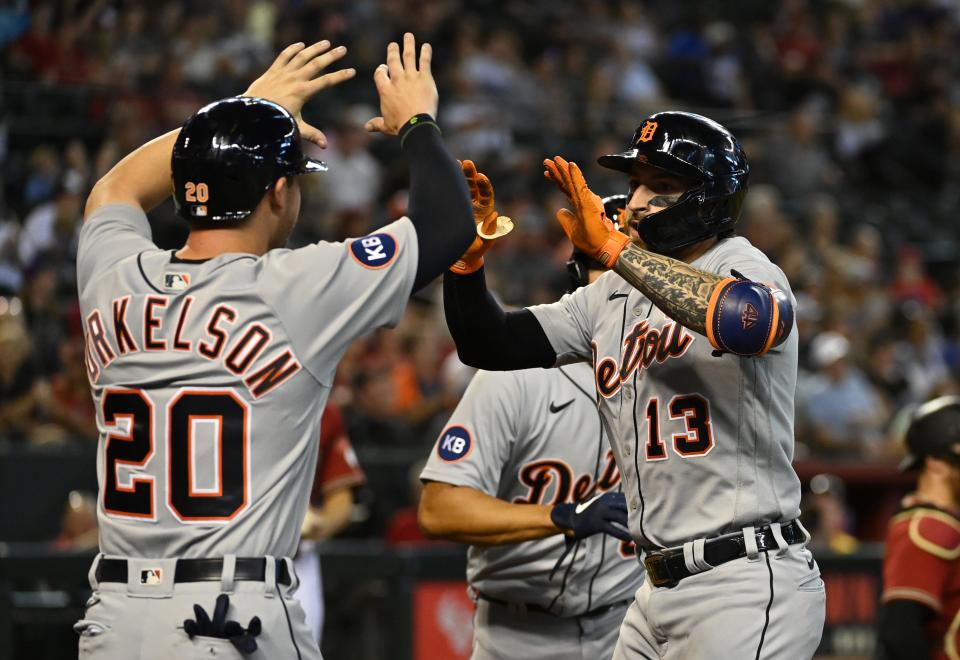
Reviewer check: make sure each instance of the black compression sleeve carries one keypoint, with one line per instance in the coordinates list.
(900, 631)
(439, 201)
(486, 336)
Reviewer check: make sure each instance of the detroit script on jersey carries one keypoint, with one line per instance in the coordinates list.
(210, 378)
(534, 437)
(704, 443)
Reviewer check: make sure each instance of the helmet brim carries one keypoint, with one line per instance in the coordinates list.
(627, 160)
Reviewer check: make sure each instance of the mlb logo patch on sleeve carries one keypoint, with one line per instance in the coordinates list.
(374, 251)
(454, 444)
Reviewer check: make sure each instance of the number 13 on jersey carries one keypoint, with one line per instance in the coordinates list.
(130, 417)
(694, 410)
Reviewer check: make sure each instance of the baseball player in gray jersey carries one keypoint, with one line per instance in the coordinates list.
(694, 355)
(519, 451)
(210, 365)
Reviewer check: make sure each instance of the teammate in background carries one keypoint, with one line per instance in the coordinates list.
(695, 364)
(337, 476)
(920, 605)
(211, 365)
(522, 460)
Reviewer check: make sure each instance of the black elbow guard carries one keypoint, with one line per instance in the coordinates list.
(748, 318)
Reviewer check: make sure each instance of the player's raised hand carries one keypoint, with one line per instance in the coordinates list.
(490, 224)
(406, 88)
(295, 76)
(587, 226)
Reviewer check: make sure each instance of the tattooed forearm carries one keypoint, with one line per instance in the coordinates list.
(680, 290)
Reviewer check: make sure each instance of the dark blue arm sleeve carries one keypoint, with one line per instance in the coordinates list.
(439, 203)
(485, 335)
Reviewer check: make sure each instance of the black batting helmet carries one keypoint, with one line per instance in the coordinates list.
(698, 148)
(580, 265)
(228, 155)
(934, 430)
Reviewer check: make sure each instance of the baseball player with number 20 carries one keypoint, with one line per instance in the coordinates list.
(210, 365)
(523, 461)
(694, 355)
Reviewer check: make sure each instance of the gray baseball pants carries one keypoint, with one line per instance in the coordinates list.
(767, 606)
(502, 633)
(136, 621)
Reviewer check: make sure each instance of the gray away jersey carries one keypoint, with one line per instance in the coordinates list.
(704, 443)
(210, 378)
(534, 436)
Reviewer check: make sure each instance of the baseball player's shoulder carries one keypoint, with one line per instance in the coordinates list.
(932, 530)
(737, 253)
(128, 214)
(735, 247)
(596, 297)
(500, 384)
(374, 251)
(608, 284)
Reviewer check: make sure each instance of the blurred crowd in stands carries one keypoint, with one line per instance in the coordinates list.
(849, 111)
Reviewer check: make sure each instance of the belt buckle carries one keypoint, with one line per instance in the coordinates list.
(657, 562)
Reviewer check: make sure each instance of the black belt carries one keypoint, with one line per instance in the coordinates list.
(533, 607)
(248, 569)
(667, 567)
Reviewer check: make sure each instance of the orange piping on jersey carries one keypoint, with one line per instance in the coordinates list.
(712, 311)
(135, 480)
(539, 474)
(950, 639)
(97, 331)
(152, 323)
(190, 456)
(178, 343)
(259, 345)
(679, 437)
(610, 476)
(924, 544)
(910, 593)
(220, 335)
(121, 331)
(652, 413)
(272, 375)
(246, 459)
(773, 326)
(642, 347)
(93, 369)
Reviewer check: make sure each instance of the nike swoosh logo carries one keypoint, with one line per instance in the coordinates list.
(583, 506)
(554, 408)
(614, 296)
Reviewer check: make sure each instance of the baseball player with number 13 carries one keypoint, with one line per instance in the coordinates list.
(694, 353)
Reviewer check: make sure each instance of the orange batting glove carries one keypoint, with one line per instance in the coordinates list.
(587, 226)
(490, 224)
